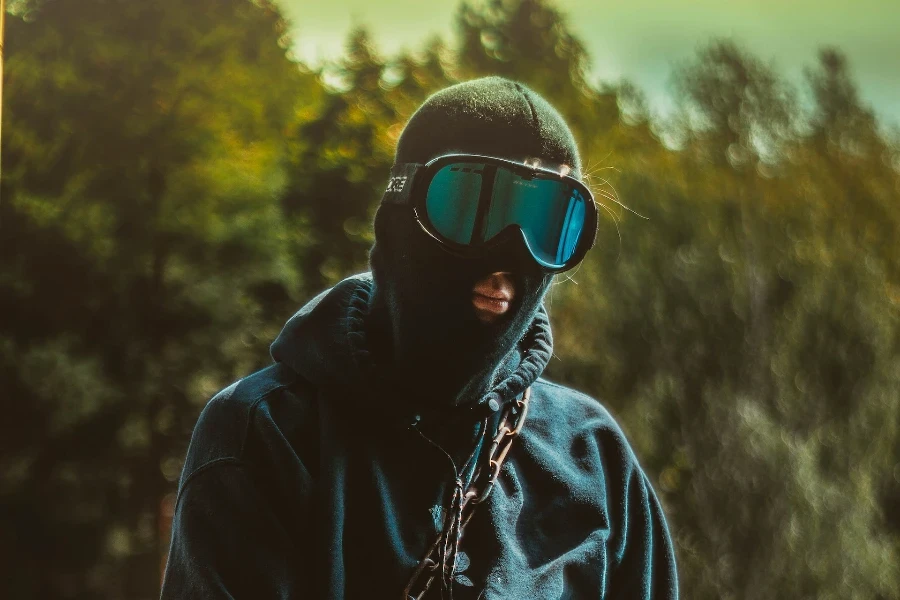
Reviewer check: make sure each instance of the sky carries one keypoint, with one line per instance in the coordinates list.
(641, 40)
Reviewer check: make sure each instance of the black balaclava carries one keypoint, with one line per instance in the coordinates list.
(421, 324)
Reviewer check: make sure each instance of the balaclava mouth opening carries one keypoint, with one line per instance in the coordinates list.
(422, 325)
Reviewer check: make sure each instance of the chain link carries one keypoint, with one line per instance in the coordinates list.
(479, 490)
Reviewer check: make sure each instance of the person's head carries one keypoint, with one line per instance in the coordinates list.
(431, 299)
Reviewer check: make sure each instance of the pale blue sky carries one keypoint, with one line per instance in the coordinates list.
(640, 39)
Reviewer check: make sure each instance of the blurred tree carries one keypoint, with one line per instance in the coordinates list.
(340, 158)
(337, 160)
(142, 245)
(530, 41)
(738, 109)
(747, 336)
(526, 40)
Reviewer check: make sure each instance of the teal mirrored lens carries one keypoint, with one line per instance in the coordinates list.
(452, 200)
(550, 212)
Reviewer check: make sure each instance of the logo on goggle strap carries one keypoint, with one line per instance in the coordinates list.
(396, 184)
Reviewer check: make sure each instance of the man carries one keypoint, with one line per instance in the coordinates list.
(403, 445)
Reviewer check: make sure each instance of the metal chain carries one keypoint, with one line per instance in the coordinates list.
(483, 481)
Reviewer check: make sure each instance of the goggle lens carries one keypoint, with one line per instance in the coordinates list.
(550, 213)
(452, 201)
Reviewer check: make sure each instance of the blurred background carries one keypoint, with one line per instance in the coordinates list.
(179, 177)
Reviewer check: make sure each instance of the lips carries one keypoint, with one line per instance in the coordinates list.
(494, 305)
(493, 295)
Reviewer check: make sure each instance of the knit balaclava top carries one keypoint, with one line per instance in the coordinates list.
(421, 324)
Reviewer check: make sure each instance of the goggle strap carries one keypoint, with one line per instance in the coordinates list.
(400, 185)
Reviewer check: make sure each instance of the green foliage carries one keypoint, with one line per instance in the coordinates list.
(142, 248)
(174, 186)
(747, 335)
(342, 151)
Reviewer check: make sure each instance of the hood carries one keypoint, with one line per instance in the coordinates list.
(423, 300)
(325, 343)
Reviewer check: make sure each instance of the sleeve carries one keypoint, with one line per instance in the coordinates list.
(643, 565)
(227, 542)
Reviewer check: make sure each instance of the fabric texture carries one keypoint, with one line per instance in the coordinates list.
(298, 484)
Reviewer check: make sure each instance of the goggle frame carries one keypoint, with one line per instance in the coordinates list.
(409, 184)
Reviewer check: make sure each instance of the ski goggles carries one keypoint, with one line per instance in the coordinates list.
(469, 203)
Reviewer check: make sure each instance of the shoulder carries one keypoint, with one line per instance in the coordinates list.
(568, 405)
(565, 415)
(230, 420)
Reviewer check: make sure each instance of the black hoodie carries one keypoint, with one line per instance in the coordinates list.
(299, 484)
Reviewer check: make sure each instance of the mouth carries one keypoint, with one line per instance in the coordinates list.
(493, 305)
(493, 295)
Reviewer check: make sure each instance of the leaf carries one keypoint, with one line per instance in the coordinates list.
(462, 562)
